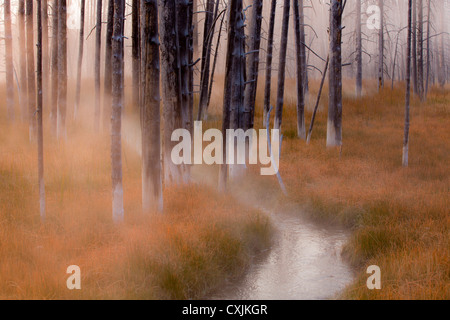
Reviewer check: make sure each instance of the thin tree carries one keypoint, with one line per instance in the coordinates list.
(62, 70)
(152, 197)
(414, 47)
(54, 67)
(116, 115)
(269, 57)
(358, 50)
(135, 51)
(23, 61)
(301, 130)
(98, 42)
(334, 124)
(39, 110)
(408, 89)
(80, 58)
(420, 74)
(381, 47)
(252, 64)
(107, 86)
(30, 71)
(45, 48)
(428, 48)
(9, 61)
(282, 65)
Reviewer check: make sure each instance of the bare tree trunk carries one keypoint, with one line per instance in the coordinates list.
(381, 47)
(9, 61)
(23, 95)
(420, 85)
(414, 47)
(80, 59)
(116, 117)
(231, 87)
(39, 115)
(31, 71)
(107, 87)
(282, 65)
(98, 42)
(135, 12)
(301, 130)
(208, 34)
(252, 65)
(408, 89)
(442, 53)
(334, 125)
(45, 49)
(54, 67)
(303, 48)
(62, 70)
(195, 27)
(269, 57)
(152, 197)
(216, 53)
(428, 48)
(358, 50)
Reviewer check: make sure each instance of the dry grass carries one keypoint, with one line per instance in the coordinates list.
(202, 238)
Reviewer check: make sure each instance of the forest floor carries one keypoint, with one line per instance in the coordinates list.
(399, 216)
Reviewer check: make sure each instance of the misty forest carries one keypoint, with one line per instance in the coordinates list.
(224, 149)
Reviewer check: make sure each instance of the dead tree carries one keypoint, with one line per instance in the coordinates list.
(9, 61)
(39, 110)
(135, 51)
(152, 197)
(45, 48)
(54, 68)
(252, 64)
(301, 130)
(282, 66)
(216, 53)
(116, 115)
(107, 86)
(23, 61)
(80, 59)
(408, 89)
(269, 57)
(420, 84)
(358, 50)
(30, 70)
(62, 70)
(334, 124)
(98, 42)
(381, 47)
(428, 48)
(414, 47)
(303, 47)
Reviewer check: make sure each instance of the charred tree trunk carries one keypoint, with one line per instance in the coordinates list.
(116, 116)
(98, 42)
(282, 65)
(9, 61)
(62, 70)
(45, 49)
(135, 12)
(301, 130)
(381, 47)
(414, 47)
(420, 84)
(40, 136)
(54, 67)
(152, 198)
(216, 53)
(252, 65)
(334, 124)
(80, 59)
(269, 57)
(428, 48)
(359, 69)
(107, 87)
(23, 61)
(303, 48)
(30, 70)
(408, 89)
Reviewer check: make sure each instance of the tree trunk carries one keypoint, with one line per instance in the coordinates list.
(303, 48)
(30, 70)
(152, 197)
(39, 110)
(269, 57)
(334, 124)
(216, 53)
(381, 47)
(9, 61)
(252, 64)
(45, 49)
(135, 11)
(23, 61)
(428, 48)
(408, 89)
(420, 84)
(282, 65)
(359, 68)
(98, 42)
(62, 70)
(54, 67)
(107, 87)
(116, 116)
(301, 130)
(80, 59)
(414, 47)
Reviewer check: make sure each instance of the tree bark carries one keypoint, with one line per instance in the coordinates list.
(381, 47)
(282, 65)
(135, 12)
(9, 61)
(80, 59)
(45, 49)
(301, 130)
(420, 84)
(107, 86)
(414, 47)
(62, 70)
(269, 57)
(23, 95)
(31, 71)
(359, 69)
(116, 115)
(54, 67)
(334, 124)
(408, 89)
(98, 42)
(152, 197)
(428, 48)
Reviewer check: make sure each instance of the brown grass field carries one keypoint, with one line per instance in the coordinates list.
(399, 217)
